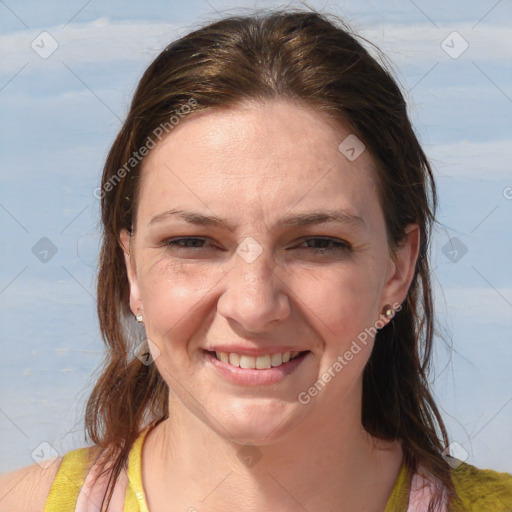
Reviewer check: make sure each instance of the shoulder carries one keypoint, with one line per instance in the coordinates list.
(27, 489)
(483, 489)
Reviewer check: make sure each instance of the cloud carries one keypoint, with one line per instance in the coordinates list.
(100, 41)
(422, 41)
(103, 41)
(475, 304)
(472, 160)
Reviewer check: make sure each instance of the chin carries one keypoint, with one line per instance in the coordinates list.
(265, 424)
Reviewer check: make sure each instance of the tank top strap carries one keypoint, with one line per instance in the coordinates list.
(421, 492)
(79, 487)
(68, 481)
(128, 494)
(94, 491)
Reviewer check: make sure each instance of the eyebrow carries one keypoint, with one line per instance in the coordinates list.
(295, 220)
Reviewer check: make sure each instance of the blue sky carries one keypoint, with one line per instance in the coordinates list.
(60, 114)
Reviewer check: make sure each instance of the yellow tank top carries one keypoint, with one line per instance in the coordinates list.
(478, 490)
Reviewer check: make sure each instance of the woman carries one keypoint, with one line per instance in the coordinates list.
(267, 212)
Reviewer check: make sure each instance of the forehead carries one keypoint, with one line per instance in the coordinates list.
(256, 157)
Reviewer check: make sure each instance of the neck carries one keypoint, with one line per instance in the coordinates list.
(328, 462)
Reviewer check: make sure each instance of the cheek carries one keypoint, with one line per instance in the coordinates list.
(339, 304)
(173, 295)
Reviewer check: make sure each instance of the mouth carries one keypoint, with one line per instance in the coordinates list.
(262, 362)
(248, 370)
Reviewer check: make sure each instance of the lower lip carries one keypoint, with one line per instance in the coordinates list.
(252, 377)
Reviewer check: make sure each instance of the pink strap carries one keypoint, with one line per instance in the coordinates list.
(92, 493)
(422, 491)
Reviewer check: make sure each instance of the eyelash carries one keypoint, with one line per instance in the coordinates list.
(341, 246)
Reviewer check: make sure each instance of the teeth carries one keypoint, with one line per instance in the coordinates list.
(234, 359)
(247, 362)
(276, 359)
(253, 362)
(263, 362)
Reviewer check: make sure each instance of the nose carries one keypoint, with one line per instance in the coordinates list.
(254, 295)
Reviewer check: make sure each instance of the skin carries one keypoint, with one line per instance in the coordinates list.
(251, 166)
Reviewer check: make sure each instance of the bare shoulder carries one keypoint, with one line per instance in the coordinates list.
(26, 489)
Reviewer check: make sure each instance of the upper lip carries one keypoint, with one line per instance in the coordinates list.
(255, 351)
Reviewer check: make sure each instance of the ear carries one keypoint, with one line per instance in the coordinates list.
(135, 296)
(402, 266)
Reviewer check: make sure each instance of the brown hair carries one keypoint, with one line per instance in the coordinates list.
(314, 59)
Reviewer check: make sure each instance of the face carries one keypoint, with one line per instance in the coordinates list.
(257, 241)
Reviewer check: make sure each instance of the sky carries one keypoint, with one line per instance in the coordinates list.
(67, 74)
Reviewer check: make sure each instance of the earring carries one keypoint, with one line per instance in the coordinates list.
(139, 318)
(387, 310)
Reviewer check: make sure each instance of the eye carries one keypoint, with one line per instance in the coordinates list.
(183, 243)
(326, 245)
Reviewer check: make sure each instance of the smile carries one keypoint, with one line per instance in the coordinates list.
(263, 362)
(260, 370)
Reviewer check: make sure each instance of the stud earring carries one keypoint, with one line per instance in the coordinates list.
(387, 310)
(139, 318)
